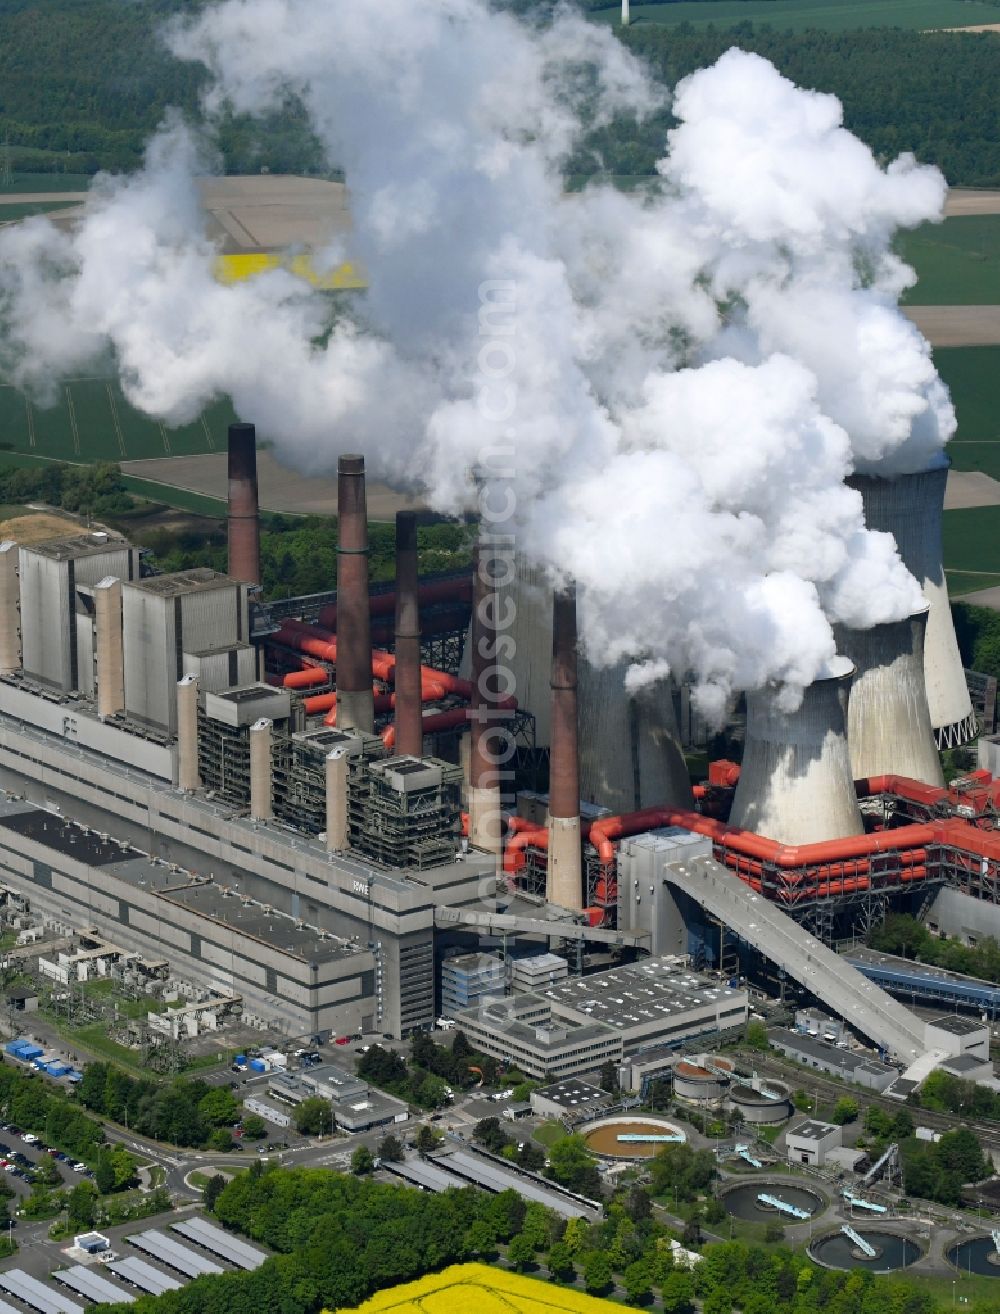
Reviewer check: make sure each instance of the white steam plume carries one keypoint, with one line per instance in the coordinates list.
(681, 425)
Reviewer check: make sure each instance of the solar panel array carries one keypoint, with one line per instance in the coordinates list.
(144, 1275)
(35, 1294)
(94, 1286)
(220, 1243)
(170, 1252)
(492, 1178)
(426, 1174)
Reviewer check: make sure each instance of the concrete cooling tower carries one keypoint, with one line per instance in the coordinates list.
(630, 751)
(888, 721)
(796, 785)
(909, 507)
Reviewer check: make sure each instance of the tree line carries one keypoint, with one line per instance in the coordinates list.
(904, 935)
(183, 1111)
(339, 1239)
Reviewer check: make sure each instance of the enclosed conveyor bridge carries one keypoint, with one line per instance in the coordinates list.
(861, 1003)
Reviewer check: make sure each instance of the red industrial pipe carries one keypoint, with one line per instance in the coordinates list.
(354, 627)
(308, 678)
(243, 514)
(431, 593)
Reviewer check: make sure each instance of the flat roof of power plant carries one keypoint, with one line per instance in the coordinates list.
(957, 1026)
(66, 837)
(647, 991)
(200, 579)
(812, 1130)
(73, 546)
(572, 1093)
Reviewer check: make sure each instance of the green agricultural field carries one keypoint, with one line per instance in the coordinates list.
(972, 543)
(11, 210)
(92, 421)
(961, 582)
(957, 262)
(801, 15)
(46, 182)
(973, 375)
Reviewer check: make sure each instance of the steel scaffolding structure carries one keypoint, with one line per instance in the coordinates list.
(404, 812)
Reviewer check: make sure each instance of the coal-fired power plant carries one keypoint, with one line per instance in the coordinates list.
(243, 508)
(796, 784)
(909, 508)
(464, 783)
(889, 724)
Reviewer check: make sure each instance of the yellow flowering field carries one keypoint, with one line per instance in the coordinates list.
(479, 1289)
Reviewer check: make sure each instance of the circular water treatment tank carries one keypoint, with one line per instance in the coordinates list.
(602, 1137)
(744, 1202)
(757, 1106)
(698, 1084)
(891, 1251)
(976, 1256)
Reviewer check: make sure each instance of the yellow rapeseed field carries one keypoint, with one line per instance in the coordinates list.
(478, 1289)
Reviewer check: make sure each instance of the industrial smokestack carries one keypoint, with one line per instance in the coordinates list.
(485, 820)
(910, 508)
(110, 658)
(10, 608)
(409, 708)
(336, 800)
(261, 794)
(564, 885)
(355, 706)
(187, 734)
(888, 721)
(630, 747)
(796, 784)
(244, 516)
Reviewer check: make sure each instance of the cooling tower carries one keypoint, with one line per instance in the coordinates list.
(244, 518)
(796, 784)
(888, 721)
(910, 507)
(565, 873)
(630, 751)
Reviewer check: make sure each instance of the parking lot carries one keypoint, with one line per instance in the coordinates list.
(20, 1157)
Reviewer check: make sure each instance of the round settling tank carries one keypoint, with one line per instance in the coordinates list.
(697, 1084)
(977, 1256)
(744, 1202)
(891, 1251)
(602, 1137)
(761, 1107)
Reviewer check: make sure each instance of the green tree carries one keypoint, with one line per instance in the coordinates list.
(390, 1148)
(219, 1107)
(427, 1139)
(609, 1077)
(221, 1139)
(362, 1161)
(572, 1165)
(597, 1273)
(254, 1127)
(313, 1117)
(81, 1205)
(104, 1173)
(214, 1187)
(678, 1292)
(520, 1252)
(637, 1281)
(845, 1110)
(560, 1262)
(756, 1036)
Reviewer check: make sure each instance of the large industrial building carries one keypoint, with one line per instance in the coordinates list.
(300, 804)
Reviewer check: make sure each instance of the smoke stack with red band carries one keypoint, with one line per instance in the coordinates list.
(485, 821)
(565, 873)
(244, 516)
(409, 708)
(355, 707)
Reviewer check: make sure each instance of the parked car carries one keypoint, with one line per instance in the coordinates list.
(28, 1138)
(80, 1168)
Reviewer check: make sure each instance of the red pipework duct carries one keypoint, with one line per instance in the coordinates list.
(308, 678)
(354, 620)
(243, 513)
(408, 671)
(384, 604)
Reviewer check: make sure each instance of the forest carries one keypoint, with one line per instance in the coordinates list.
(84, 82)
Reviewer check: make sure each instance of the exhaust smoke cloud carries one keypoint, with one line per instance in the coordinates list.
(693, 370)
